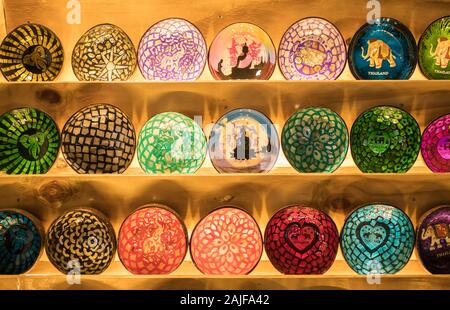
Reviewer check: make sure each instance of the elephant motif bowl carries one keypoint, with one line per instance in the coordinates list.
(385, 139)
(226, 242)
(315, 140)
(434, 50)
(152, 240)
(29, 141)
(21, 241)
(172, 50)
(242, 51)
(81, 241)
(377, 239)
(243, 141)
(435, 145)
(31, 53)
(301, 240)
(104, 53)
(384, 50)
(99, 138)
(171, 142)
(312, 49)
(433, 240)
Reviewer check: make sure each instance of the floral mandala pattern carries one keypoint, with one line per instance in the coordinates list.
(227, 241)
(315, 140)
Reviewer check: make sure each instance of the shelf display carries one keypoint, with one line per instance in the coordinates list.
(312, 49)
(152, 240)
(21, 241)
(29, 141)
(172, 50)
(243, 141)
(435, 145)
(377, 239)
(433, 240)
(226, 242)
(31, 52)
(242, 51)
(81, 241)
(315, 140)
(385, 139)
(301, 240)
(384, 50)
(171, 142)
(434, 50)
(99, 139)
(104, 53)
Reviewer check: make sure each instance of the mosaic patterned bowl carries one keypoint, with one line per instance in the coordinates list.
(81, 242)
(172, 50)
(434, 50)
(315, 140)
(104, 53)
(226, 242)
(436, 144)
(31, 52)
(99, 139)
(301, 240)
(433, 240)
(29, 141)
(312, 49)
(385, 139)
(152, 240)
(385, 50)
(242, 51)
(243, 141)
(171, 142)
(21, 241)
(377, 239)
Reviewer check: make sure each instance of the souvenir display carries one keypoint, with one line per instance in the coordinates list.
(433, 240)
(312, 49)
(315, 140)
(436, 144)
(172, 50)
(434, 50)
(243, 140)
(171, 142)
(242, 51)
(385, 139)
(377, 239)
(383, 50)
(104, 53)
(29, 141)
(82, 242)
(99, 139)
(21, 241)
(152, 240)
(301, 240)
(31, 52)
(226, 242)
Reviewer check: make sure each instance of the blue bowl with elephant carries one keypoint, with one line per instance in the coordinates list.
(383, 50)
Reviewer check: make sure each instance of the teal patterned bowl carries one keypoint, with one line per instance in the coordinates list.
(385, 139)
(377, 239)
(315, 140)
(171, 142)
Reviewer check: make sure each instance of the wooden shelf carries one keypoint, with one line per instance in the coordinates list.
(44, 276)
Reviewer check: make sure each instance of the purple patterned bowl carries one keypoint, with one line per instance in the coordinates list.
(433, 240)
(242, 51)
(172, 50)
(312, 49)
(436, 144)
